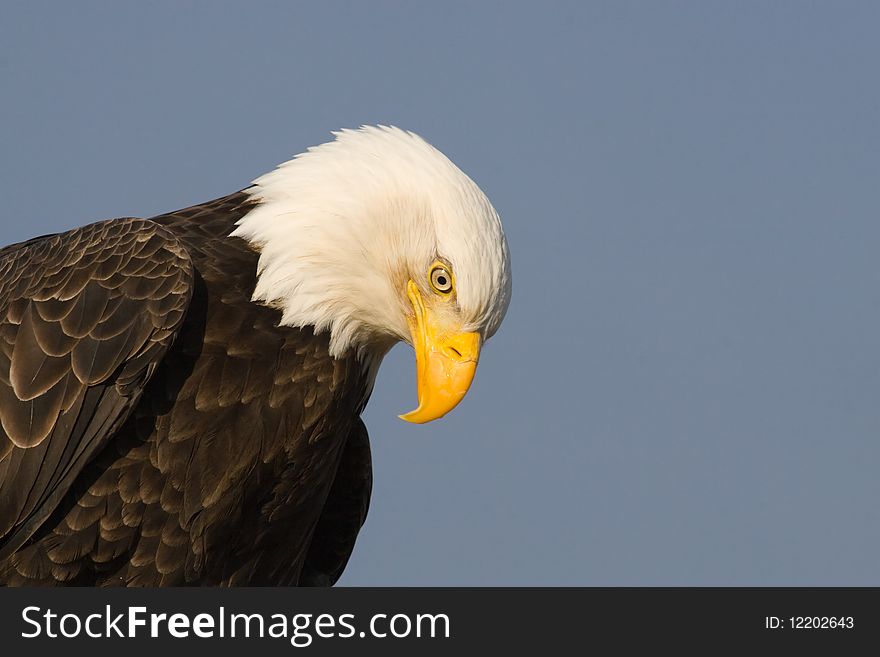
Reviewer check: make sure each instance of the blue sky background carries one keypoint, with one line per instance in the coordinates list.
(685, 389)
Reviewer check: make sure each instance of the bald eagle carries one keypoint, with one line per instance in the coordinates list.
(180, 395)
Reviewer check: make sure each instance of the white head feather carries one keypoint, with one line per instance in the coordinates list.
(343, 226)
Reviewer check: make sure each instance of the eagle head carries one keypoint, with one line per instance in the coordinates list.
(377, 237)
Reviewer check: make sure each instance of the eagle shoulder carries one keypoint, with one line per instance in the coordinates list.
(85, 318)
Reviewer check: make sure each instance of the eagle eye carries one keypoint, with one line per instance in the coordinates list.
(441, 279)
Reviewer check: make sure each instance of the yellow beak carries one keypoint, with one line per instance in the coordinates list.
(445, 362)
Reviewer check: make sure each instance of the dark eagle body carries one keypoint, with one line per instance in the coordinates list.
(160, 428)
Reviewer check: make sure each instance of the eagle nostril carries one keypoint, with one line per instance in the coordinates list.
(455, 353)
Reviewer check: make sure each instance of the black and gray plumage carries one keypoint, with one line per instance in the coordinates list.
(180, 396)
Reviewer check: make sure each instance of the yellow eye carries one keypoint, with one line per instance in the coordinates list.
(441, 279)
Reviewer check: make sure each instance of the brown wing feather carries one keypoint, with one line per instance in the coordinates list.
(221, 472)
(85, 317)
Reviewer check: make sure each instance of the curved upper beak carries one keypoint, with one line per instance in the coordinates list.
(446, 360)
